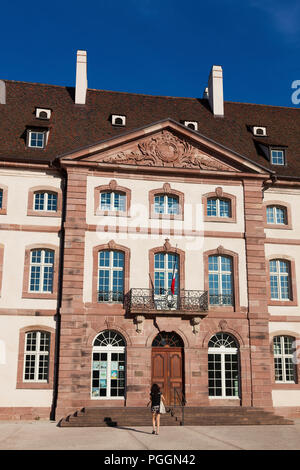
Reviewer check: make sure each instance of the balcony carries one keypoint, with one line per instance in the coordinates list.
(184, 302)
(138, 301)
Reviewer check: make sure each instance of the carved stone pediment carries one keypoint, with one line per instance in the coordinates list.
(165, 149)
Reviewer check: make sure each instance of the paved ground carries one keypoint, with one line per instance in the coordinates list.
(45, 435)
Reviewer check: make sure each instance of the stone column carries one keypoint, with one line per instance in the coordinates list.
(73, 380)
(260, 356)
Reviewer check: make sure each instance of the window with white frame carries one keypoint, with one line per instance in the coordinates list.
(36, 357)
(276, 215)
(41, 271)
(280, 279)
(110, 276)
(45, 201)
(283, 348)
(165, 264)
(112, 201)
(217, 207)
(223, 367)
(220, 280)
(166, 204)
(37, 139)
(108, 366)
(277, 157)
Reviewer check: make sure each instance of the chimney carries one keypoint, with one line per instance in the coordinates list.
(215, 91)
(2, 92)
(81, 78)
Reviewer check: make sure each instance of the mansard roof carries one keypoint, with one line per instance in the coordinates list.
(80, 126)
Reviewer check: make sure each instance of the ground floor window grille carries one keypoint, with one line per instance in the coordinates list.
(108, 366)
(223, 367)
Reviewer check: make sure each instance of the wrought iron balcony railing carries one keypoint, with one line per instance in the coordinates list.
(153, 300)
(162, 299)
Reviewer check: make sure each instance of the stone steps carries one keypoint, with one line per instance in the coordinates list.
(193, 416)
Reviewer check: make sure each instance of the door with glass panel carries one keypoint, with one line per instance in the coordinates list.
(110, 276)
(108, 366)
(165, 267)
(223, 367)
(220, 280)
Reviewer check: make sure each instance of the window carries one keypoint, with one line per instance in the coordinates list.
(45, 201)
(164, 266)
(41, 271)
(165, 204)
(285, 370)
(277, 157)
(280, 279)
(118, 120)
(3, 199)
(37, 139)
(192, 125)
(223, 367)
(108, 366)
(276, 215)
(36, 356)
(220, 280)
(110, 276)
(112, 201)
(218, 207)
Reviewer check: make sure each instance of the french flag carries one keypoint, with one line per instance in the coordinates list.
(173, 278)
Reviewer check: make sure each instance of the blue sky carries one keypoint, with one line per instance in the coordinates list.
(158, 47)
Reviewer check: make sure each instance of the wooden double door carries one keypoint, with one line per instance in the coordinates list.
(167, 372)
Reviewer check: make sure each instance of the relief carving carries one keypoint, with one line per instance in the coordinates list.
(166, 149)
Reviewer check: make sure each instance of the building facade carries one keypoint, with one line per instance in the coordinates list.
(146, 239)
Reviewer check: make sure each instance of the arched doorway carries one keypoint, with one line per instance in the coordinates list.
(167, 365)
(108, 366)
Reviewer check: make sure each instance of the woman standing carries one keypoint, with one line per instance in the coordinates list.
(155, 399)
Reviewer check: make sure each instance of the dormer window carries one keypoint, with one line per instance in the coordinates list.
(118, 120)
(42, 113)
(277, 157)
(37, 139)
(192, 125)
(259, 131)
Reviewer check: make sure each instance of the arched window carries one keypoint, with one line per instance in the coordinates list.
(108, 365)
(41, 271)
(217, 207)
(112, 201)
(166, 204)
(276, 215)
(110, 276)
(223, 367)
(220, 280)
(168, 339)
(284, 366)
(36, 356)
(45, 201)
(280, 279)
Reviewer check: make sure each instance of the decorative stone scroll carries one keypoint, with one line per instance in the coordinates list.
(166, 149)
